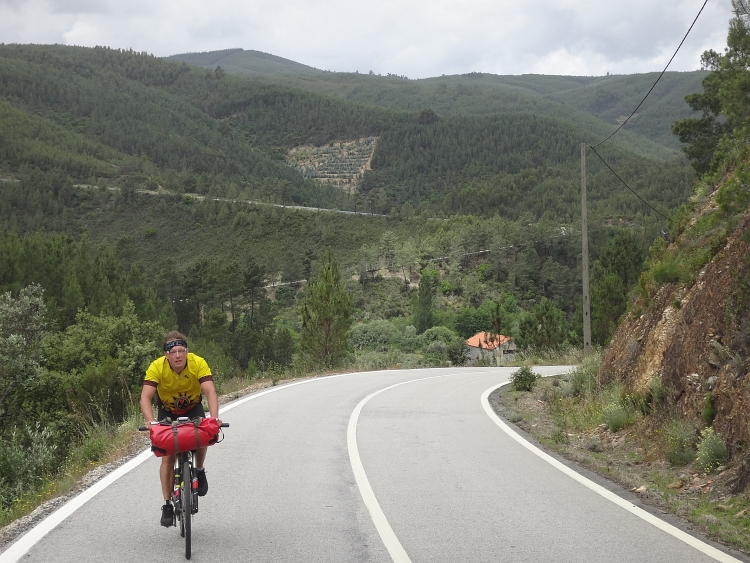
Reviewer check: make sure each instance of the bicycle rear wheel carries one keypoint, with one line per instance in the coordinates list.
(186, 492)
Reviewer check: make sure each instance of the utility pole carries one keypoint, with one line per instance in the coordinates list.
(585, 257)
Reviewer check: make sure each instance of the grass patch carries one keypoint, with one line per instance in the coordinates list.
(712, 451)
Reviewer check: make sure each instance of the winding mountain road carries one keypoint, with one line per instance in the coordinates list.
(385, 466)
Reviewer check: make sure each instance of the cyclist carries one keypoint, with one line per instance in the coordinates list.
(178, 380)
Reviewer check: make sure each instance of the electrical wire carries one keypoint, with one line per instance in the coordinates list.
(657, 80)
(626, 185)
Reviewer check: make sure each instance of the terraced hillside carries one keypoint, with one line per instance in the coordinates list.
(341, 163)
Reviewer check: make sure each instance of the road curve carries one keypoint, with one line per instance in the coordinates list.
(287, 485)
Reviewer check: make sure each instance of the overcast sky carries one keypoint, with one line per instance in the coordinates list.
(418, 38)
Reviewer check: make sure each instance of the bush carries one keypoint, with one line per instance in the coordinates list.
(668, 271)
(377, 335)
(712, 451)
(523, 379)
(24, 459)
(656, 393)
(583, 379)
(617, 416)
(514, 417)
(681, 438)
(444, 334)
(709, 410)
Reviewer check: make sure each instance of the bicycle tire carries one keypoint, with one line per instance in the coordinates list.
(186, 492)
(177, 501)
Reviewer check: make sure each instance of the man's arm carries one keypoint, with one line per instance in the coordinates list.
(209, 390)
(147, 395)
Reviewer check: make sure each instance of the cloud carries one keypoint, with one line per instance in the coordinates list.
(417, 38)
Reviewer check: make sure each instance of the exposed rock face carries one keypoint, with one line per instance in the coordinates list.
(697, 339)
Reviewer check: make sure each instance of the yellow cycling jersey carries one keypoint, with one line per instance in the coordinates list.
(178, 393)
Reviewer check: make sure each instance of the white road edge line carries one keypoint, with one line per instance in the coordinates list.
(23, 544)
(387, 535)
(629, 506)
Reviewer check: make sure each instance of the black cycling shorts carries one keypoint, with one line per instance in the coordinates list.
(196, 412)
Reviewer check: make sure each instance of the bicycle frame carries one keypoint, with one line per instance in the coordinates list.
(185, 490)
(185, 496)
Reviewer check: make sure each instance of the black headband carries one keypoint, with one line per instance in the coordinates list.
(172, 343)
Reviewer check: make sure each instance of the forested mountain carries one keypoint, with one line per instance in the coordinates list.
(608, 98)
(240, 61)
(193, 130)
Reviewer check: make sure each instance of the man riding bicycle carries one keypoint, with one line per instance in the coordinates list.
(178, 380)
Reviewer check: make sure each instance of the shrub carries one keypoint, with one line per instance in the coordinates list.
(617, 416)
(24, 459)
(681, 438)
(444, 334)
(668, 271)
(709, 411)
(712, 451)
(514, 417)
(523, 379)
(377, 335)
(656, 392)
(583, 379)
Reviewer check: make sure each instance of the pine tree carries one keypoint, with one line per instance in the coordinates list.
(423, 303)
(326, 316)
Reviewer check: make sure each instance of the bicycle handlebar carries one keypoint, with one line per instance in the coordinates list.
(144, 428)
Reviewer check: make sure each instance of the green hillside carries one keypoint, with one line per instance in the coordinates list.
(141, 152)
(240, 61)
(576, 98)
(192, 130)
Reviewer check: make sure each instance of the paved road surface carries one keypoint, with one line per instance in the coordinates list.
(451, 484)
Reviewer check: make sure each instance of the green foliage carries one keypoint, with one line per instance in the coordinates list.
(681, 439)
(422, 307)
(25, 455)
(377, 335)
(712, 451)
(326, 316)
(582, 380)
(514, 417)
(22, 327)
(709, 410)
(545, 327)
(617, 415)
(523, 379)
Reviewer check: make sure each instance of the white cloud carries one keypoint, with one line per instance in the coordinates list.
(417, 38)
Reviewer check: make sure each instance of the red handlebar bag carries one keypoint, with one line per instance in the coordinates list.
(178, 437)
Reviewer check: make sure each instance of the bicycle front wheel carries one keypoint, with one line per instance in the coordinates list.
(186, 493)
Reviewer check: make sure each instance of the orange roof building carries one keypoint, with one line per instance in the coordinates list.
(484, 345)
(485, 340)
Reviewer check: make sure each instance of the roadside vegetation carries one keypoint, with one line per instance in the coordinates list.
(639, 440)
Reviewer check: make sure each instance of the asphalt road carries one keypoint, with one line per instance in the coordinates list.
(448, 482)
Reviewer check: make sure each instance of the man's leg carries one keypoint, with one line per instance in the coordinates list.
(200, 457)
(166, 475)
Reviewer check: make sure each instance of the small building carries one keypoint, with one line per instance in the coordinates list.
(484, 346)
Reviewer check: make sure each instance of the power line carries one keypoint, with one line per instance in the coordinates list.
(626, 185)
(657, 80)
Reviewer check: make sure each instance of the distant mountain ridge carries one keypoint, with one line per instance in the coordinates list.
(609, 98)
(240, 61)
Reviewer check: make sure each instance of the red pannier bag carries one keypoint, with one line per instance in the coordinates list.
(178, 437)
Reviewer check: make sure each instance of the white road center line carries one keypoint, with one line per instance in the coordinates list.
(629, 506)
(387, 535)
